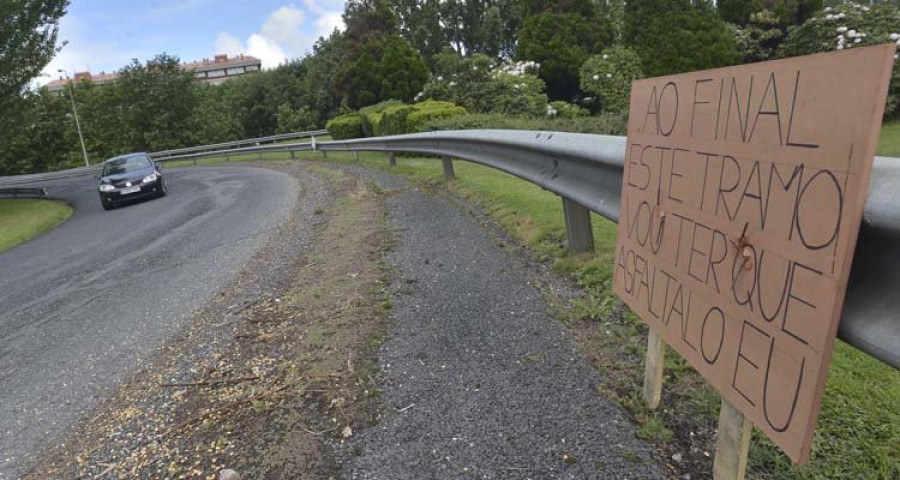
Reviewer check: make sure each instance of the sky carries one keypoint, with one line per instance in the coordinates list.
(105, 35)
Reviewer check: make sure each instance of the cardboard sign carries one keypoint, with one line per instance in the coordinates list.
(741, 203)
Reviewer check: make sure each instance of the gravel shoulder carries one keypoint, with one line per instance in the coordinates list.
(479, 380)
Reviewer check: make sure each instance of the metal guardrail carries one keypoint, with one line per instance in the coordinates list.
(237, 144)
(20, 192)
(177, 154)
(586, 171)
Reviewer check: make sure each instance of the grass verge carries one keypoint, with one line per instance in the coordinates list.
(23, 219)
(889, 141)
(859, 428)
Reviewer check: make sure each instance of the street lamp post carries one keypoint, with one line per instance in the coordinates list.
(77, 123)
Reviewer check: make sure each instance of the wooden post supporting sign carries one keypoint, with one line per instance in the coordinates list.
(742, 196)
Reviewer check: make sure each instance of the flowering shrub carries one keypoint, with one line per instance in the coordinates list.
(345, 126)
(849, 26)
(609, 76)
(476, 85)
(521, 94)
(565, 110)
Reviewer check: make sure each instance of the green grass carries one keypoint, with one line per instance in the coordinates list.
(889, 141)
(24, 219)
(858, 433)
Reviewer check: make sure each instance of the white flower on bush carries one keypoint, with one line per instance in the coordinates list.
(894, 36)
(440, 79)
(840, 16)
(829, 17)
(596, 77)
(851, 33)
(605, 56)
(608, 75)
(516, 87)
(827, 9)
(452, 84)
(419, 96)
(840, 47)
(841, 29)
(551, 111)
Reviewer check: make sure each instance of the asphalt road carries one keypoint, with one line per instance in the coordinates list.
(81, 305)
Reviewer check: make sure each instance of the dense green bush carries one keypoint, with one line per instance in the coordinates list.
(431, 110)
(849, 26)
(345, 126)
(603, 124)
(674, 36)
(381, 68)
(760, 38)
(560, 43)
(609, 76)
(561, 109)
(373, 117)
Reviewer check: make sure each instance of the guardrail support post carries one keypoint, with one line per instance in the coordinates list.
(732, 444)
(227, 158)
(392, 159)
(195, 161)
(355, 156)
(578, 227)
(449, 174)
(293, 156)
(324, 154)
(653, 369)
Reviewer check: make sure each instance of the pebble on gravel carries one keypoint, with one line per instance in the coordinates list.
(229, 474)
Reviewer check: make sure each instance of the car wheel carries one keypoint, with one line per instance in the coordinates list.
(162, 188)
(107, 206)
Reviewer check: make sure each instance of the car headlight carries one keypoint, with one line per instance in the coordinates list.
(150, 178)
(107, 188)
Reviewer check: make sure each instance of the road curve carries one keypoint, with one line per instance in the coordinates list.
(81, 304)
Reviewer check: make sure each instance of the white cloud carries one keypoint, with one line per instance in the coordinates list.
(282, 36)
(81, 54)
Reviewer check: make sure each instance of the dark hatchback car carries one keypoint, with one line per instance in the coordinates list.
(130, 177)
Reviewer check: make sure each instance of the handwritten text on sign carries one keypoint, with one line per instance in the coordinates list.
(741, 202)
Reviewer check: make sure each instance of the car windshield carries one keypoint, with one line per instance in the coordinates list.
(119, 166)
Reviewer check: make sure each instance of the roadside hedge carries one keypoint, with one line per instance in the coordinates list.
(429, 111)
(345, 126)
(373, 117)
(394, 121)
(602, 125)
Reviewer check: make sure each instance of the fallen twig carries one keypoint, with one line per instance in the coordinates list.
(211, 382)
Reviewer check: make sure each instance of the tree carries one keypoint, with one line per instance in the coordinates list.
(157, 99)
(788, 12)
(560, 43)
(28, 31)
(383, 69)
(674, 36)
